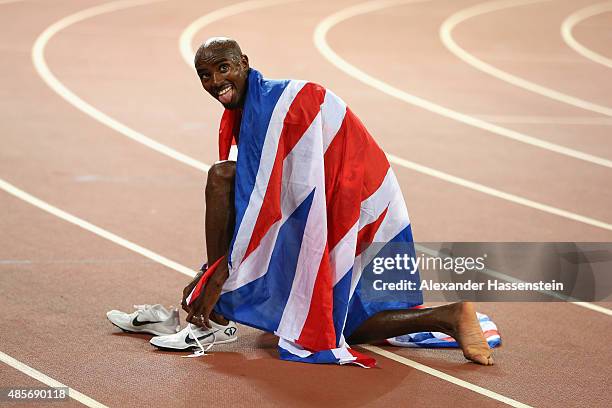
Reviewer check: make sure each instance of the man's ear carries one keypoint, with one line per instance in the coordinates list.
(244, 60)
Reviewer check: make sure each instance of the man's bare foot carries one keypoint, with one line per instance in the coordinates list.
(466, 330)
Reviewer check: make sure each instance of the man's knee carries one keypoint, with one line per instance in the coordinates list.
(221, 177)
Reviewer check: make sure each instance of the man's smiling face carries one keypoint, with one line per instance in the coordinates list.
(223, 71)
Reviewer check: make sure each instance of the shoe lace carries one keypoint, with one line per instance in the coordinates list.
(202, 351)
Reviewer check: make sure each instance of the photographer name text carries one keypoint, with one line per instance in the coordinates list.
(469, 285)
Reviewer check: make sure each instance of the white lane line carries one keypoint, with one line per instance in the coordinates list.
(594, 307)
(446, 36)
(11, 189)
(498, 193)
(9, 1)
(573, 19)
(547, 120)
(38, 58)
(320, 41)
(30, 199)
(186, 38)
(45, 379)
(446, 377)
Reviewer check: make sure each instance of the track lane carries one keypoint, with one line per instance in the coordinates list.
(321, 43)
(252, 372)
(482, 9)
(514, 198)
(136, 359)
(113, 274)
(456, 150)
(532, 48)
(39, 61)
(50, 79)
(48, 381)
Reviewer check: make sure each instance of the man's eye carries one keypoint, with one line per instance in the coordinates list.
(204, 76)
(224, 68)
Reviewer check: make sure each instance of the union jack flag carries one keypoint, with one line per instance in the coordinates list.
(312, 190)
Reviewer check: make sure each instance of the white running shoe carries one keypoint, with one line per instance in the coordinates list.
(184, 339)
(154, 319)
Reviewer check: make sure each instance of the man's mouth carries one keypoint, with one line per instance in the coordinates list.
(226, 94)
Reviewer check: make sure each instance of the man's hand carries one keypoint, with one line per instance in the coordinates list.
(188, 290)
(200, 310)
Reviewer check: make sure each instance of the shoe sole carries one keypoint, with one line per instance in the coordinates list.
(145, 331)
(194, 347)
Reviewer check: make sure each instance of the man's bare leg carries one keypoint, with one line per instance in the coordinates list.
(456, 319)
(220, 215)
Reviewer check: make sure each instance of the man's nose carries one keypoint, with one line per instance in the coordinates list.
(216, 77)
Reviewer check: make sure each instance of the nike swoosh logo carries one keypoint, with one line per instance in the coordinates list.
(190, 340)
(135, 322)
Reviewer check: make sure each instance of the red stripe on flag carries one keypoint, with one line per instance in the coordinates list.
(303, 110)
(378, 166)
(197, 290)
(362, 359)
(346, 182)
(229, 128)
(490, 333)
(343, 175)
(318, 332)
(366, 234)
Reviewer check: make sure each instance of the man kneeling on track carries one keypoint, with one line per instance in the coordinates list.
(286, 223)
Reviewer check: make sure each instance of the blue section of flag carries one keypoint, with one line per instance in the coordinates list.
(261, 303)
(363, 303)
(341, 295)
(262, 96)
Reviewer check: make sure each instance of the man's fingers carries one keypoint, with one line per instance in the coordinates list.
(191, 318)
(206, 322)
(200, 321)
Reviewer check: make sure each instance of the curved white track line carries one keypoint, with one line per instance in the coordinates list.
(186, 38)
(38, 58)
(185, 44)
(45, 379)
(446, 36)
(573, 19)
(325, 49)
(321, 43)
